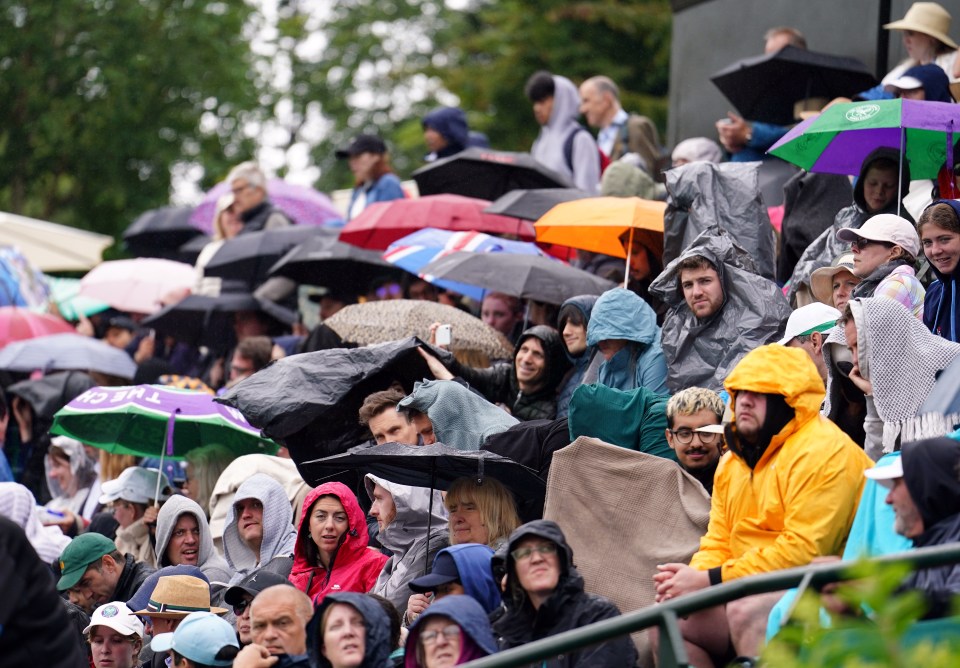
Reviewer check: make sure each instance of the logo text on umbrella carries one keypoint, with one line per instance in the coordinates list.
(862, 112)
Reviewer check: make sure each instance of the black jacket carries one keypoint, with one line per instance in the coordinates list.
(569, 607)
(264, 216)
(133, 575)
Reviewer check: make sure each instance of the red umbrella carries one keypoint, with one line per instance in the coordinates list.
(18, 324)
(382, 223)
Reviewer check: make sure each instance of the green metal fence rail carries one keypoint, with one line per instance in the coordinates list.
(664, 615)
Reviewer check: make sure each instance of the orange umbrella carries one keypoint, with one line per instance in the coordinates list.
(603, 224)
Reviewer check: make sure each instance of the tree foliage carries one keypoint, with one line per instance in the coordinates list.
(104, 97)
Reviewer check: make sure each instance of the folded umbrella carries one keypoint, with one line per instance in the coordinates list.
(765, 88)
(526, 276)
(161, 232)
(49, 394)
(138, 285)
(382, 223)
(18, 324)
(532, 204)
(487, 174)
(303, 204)
(337, 266)
(249, 257)
(63, 352)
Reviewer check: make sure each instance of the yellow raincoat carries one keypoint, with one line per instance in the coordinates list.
(799, 500)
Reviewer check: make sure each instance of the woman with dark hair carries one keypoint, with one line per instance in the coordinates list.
(572, 325)
(374, 180)
(331, 551)
(349, 630)
(452, 631)
(939, 229)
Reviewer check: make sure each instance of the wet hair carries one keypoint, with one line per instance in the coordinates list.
(941, 215)
(693, 400)
(495, 503)
(393, 615)
(796, 37)
(539, 86)
(572, 314)
(257, 349)
(378, 402)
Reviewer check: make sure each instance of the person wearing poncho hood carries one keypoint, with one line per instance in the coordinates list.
(896, 361)
(258, 532)
(474, 640)
(572, 322)
(701, 350)
(183, 537)
(785, 494)
(403, 515)
(336, 648)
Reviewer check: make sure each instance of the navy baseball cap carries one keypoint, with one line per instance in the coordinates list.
(444, 572)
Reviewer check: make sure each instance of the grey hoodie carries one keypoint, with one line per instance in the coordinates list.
(406, 538)
(548, 147)
(210, 563)
(279, 536)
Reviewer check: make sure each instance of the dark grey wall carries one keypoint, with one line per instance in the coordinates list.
(710, 34)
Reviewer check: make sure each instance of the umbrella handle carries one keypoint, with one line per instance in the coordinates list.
(433, 484)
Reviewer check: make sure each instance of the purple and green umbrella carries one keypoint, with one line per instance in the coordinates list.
(838, 140)
(156, 421)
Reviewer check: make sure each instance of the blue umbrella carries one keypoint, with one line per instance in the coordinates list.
(415, 251)
(64, 352)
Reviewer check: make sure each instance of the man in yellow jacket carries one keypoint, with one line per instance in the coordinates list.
(784, 494)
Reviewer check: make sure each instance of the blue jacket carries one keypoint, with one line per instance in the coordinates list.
(451, 123)
(621, 314)
(384, 189)
(473, 565)
(764, 136)
(469, 616)
(941, 314)
(584, 304)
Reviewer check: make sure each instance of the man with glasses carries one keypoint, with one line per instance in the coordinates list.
(249, 188)
(240, 596)
(695, 432)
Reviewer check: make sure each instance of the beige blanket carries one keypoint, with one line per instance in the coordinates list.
(624, 512)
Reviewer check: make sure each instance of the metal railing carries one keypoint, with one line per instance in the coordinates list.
(665, 615)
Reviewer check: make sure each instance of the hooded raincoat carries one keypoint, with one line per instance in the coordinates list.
(568, 607)
(799, 499)
(473, 623)
(702, 352)
(279, 536)
(585, 365)
(408, 538)
(473, 566)
(82, 499)
(822, 251)
(621, 314)
(549, 145)
(376, 646)
(17, 503)
(354, 566)
(451, 124)
(210, 563)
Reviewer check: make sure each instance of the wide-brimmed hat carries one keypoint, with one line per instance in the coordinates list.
(928, 18)
(821, 280)
(176, 596)
(887, 228)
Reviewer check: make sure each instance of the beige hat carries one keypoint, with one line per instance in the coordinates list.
(176, 596)
(928, 18)
(821, 280)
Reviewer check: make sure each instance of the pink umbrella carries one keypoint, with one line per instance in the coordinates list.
(19, 324)
(137, 286)
(304, 205)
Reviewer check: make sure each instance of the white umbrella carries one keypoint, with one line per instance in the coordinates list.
(139, 285)
(53, 247)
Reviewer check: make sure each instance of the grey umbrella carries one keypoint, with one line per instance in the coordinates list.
(63, 352)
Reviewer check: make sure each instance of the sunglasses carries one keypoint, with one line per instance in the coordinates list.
(860, 243)
(238, 608)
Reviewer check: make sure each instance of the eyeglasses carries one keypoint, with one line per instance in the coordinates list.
(685, 436)
(451, 632)
(391, 290)
(238, 608)
(526, 552)
(240, 189)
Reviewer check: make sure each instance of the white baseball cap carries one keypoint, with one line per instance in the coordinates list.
(117, 616)
(136, 485)
(885, 227)
(885, 475)
(814, 317)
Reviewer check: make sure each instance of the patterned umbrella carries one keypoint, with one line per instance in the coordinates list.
(21, 284)
(304, 205)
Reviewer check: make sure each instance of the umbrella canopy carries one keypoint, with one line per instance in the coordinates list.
(414, 251)
(190, 251)
(480, 172)
(49, 394)
(63, 352)
(765, 88)
(17, 324)
(527, 276)
(304, 205)
(134, 420)
(532, 204)
(21, 284)
(378, 322)
(435, 466)
(838, 140)
(318, 416)
(205, 320)
(160, 232)
(65, 296)
(598, 224)
(139, 285)
(382, 223)
(249, 257)
(52, 247)
(330, 263)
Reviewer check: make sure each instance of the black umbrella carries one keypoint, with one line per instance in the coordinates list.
(160, 232)
(532, 204)
(765, 88)
(527, 276)
(250, 256)
(337, 266)
(190, 251)
(485, 174)
(205, 320)
(317, 416)
(49, 394)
